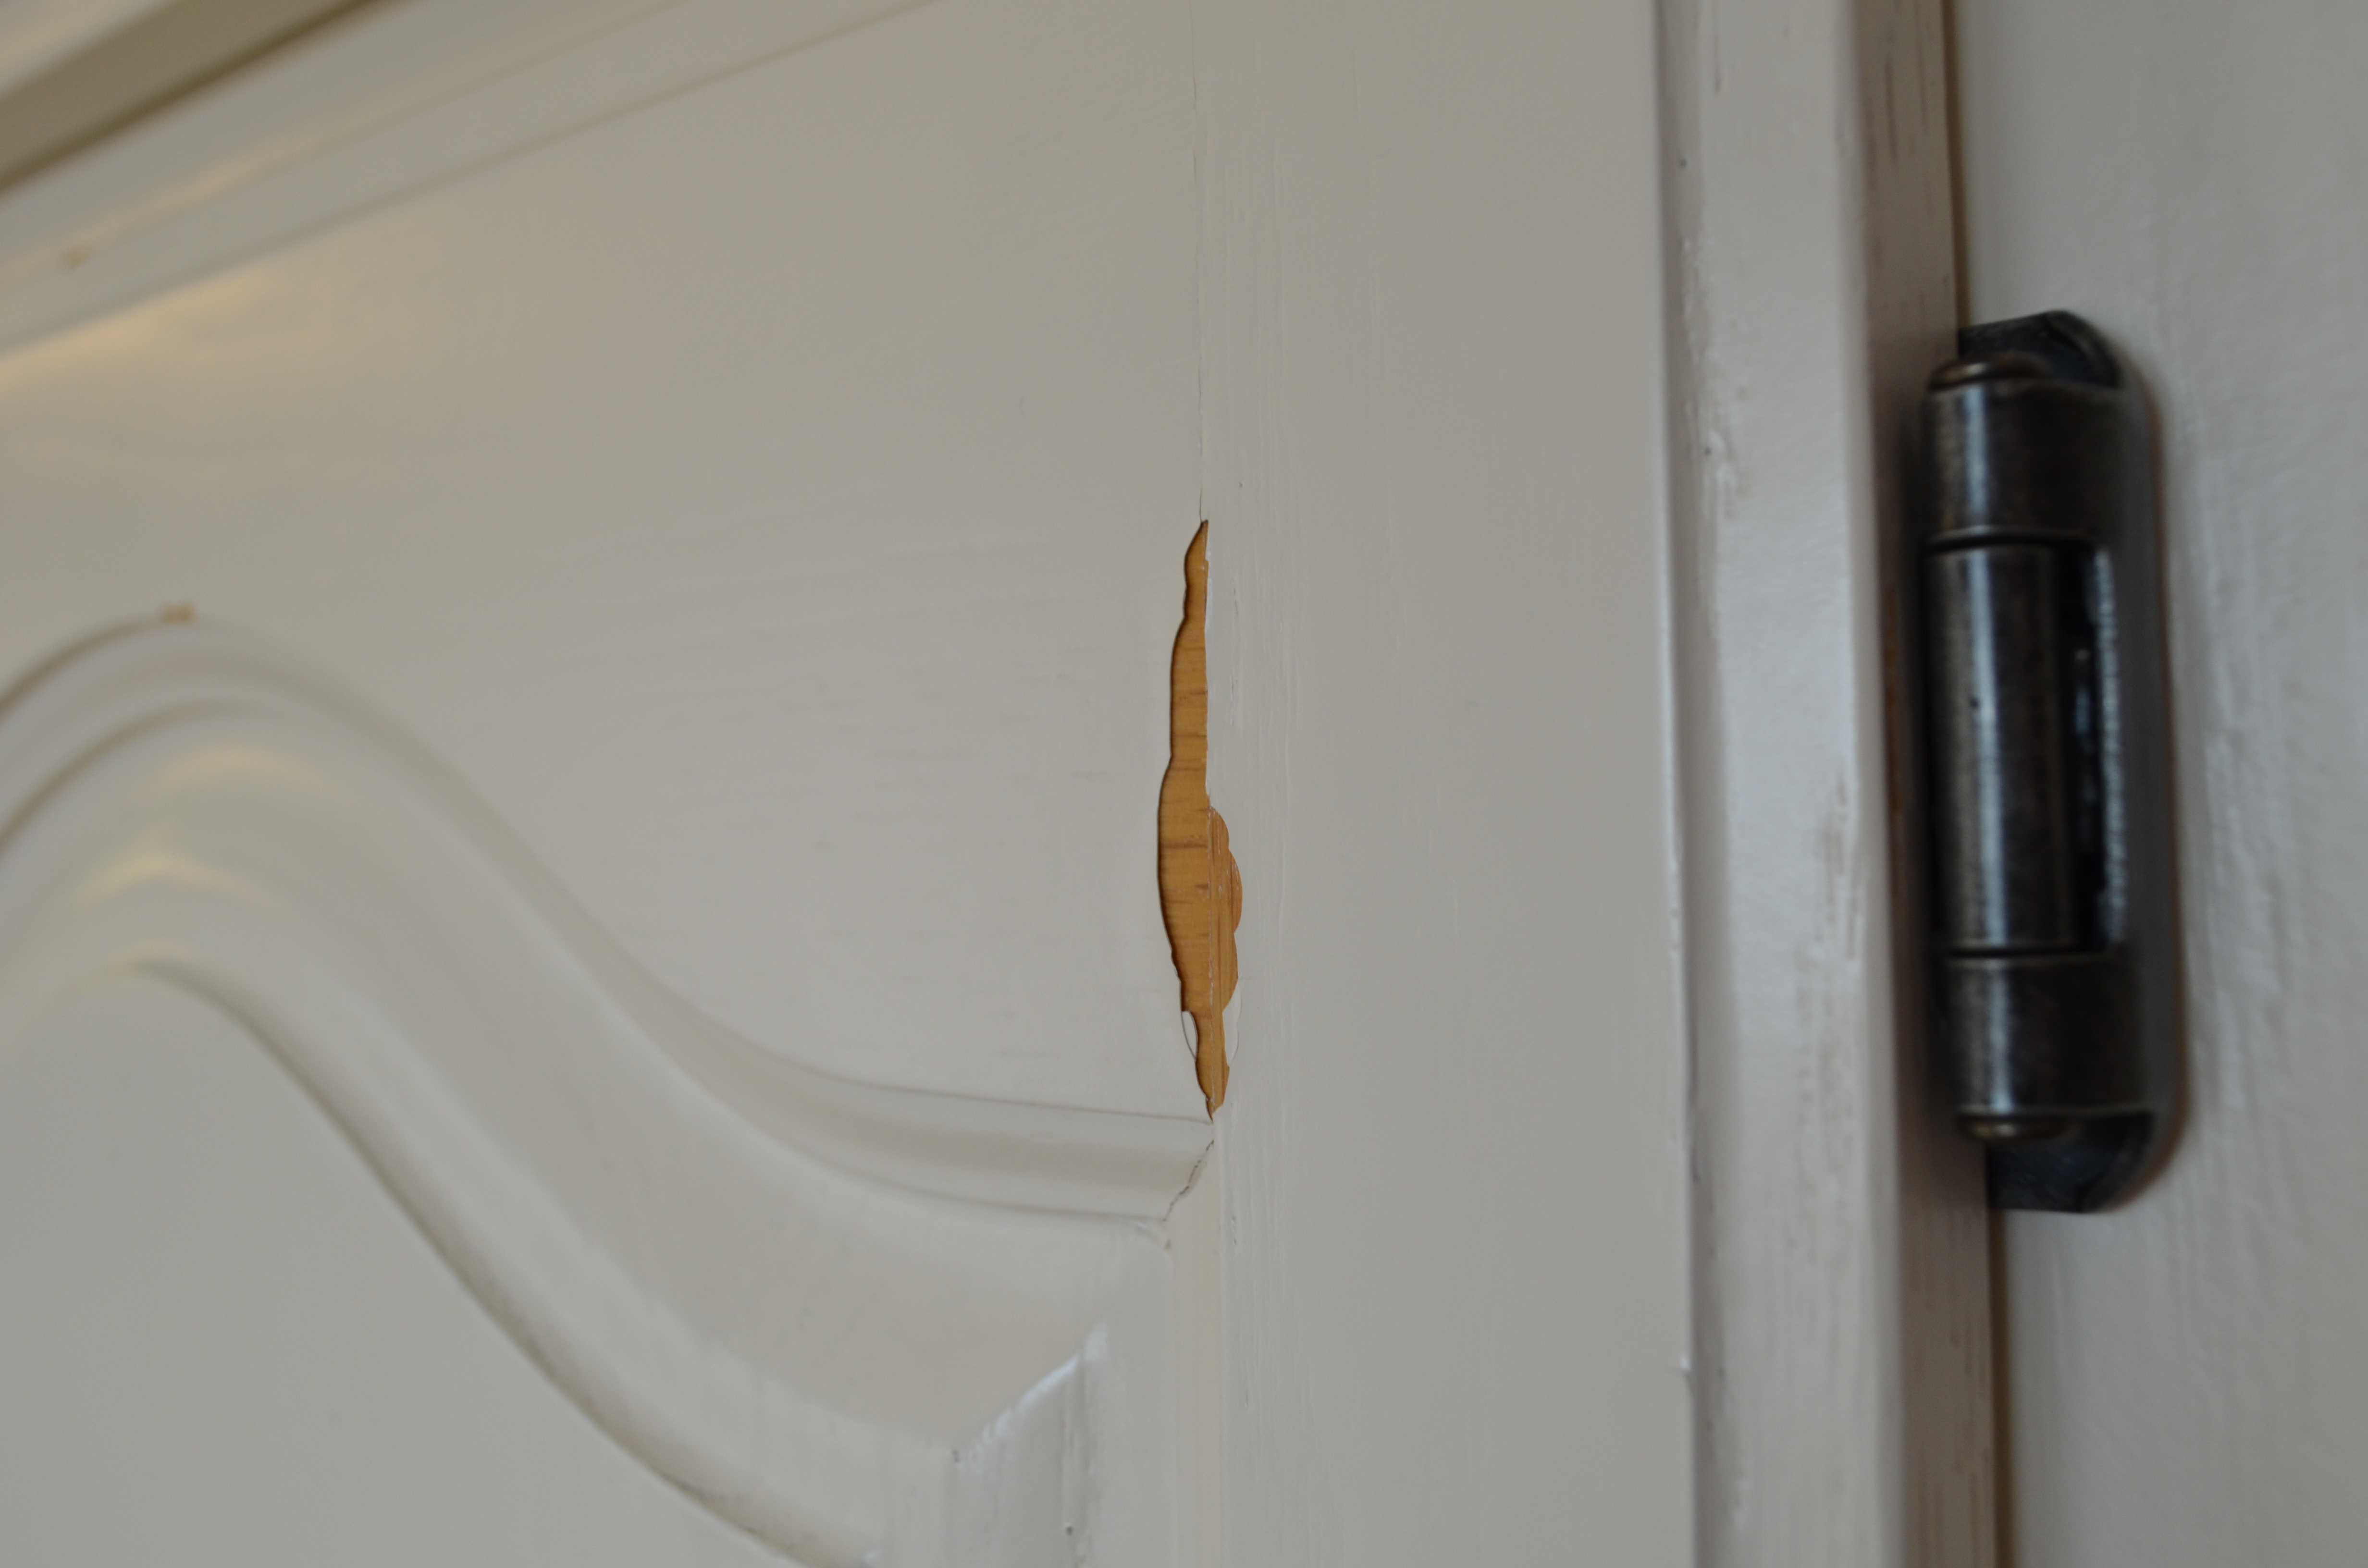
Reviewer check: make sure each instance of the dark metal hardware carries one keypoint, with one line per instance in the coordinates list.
(2055, 972)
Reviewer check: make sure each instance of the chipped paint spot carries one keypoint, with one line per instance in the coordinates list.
(1199, 886)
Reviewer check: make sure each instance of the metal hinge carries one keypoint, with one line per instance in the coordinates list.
(2054, 977)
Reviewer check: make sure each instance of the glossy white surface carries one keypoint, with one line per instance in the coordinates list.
(1453, 1157)
(698, 1244)
(757, 454)
(2189, 1384)
(755, 444)
(226, 1345)
(37, 34)
(1840, 1241)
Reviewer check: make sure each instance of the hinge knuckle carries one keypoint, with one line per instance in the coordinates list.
(2050, 898)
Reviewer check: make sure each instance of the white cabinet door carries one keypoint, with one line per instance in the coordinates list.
(226, 1343)
(607, 875)
(2189, 1384)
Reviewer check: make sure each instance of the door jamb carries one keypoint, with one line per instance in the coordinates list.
(1842, 1264)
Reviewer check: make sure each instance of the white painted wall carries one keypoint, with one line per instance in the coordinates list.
(2190, 1385)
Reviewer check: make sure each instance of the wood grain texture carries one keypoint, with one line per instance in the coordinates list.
(1199, 886)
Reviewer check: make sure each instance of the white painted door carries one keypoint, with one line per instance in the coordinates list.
(588, 983)
(2188, 1384)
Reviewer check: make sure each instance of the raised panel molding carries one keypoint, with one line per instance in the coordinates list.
(864, 1324)
(419, 94)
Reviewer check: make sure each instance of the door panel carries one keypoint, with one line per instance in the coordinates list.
(755, 445)
(861, 1323)
(225, 1340)
(1458, 1320)
(774, 431)
(822, 434)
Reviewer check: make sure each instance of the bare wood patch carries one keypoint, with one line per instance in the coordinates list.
(1199, 886)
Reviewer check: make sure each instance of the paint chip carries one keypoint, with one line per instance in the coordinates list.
(1199, 886)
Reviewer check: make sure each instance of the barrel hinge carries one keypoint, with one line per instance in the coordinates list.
(2035, 589)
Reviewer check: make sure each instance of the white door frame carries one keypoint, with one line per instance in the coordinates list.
(1842, 1245)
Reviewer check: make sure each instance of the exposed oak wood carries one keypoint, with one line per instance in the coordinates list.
(1199, 886)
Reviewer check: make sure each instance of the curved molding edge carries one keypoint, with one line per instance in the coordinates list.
(867, 1325)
